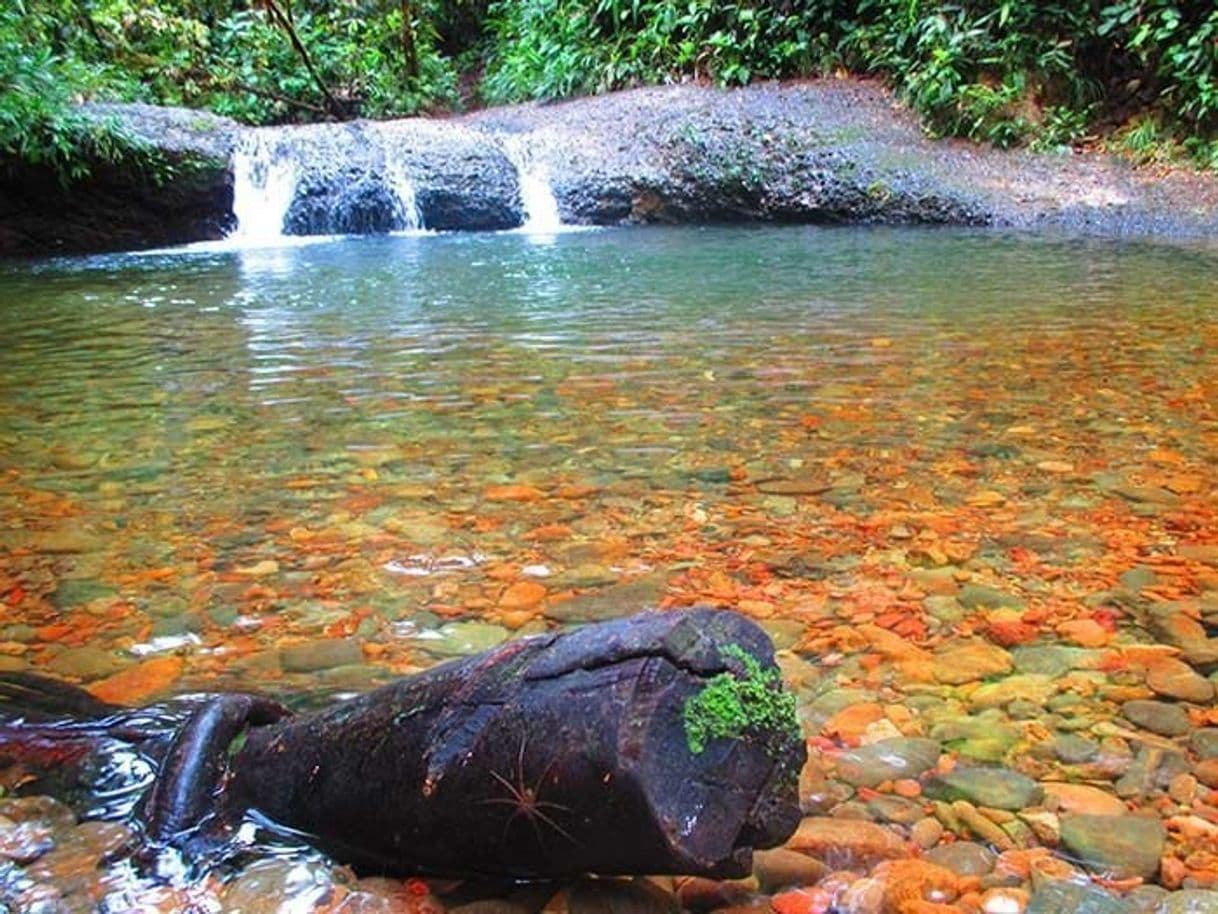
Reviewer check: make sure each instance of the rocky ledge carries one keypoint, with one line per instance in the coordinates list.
(829, 151)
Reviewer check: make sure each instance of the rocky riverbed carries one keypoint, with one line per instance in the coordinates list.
(832, 151)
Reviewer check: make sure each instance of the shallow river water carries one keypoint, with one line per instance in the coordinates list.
(967, 481)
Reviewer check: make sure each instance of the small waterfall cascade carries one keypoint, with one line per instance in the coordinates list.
(296, 181)
(407, 217)
(541, 214)
(265, 174)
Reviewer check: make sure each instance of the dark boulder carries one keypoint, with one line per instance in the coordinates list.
(353, 178)
(461, 181)
(346, 204)
(183, 193)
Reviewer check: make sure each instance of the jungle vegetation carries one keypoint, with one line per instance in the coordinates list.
(1141, 75)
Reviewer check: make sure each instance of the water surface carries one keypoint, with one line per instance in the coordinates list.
(315, 467)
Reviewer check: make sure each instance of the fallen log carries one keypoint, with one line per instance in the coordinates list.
(661, 743)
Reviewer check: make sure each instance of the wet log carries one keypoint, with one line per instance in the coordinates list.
(661, 743)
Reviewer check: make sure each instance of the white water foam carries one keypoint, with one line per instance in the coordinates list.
(541, 216)
(409, 216)
(264, 180)
(397, 175)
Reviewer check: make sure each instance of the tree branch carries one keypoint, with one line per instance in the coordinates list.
(332, 105)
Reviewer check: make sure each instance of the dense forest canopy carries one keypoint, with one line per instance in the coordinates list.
(1047, 73)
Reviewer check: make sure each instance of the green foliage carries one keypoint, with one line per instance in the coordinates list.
(1008, 72)
(1040, 72)
(732, 706)
(238, 59)
(40, 122)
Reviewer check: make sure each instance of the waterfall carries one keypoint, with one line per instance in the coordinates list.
(541, 214)
(264, 182)
(300, 181)
(408, 217)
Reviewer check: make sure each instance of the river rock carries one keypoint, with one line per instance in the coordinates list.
(1204, 742)
(87, 663)
(263, 887)
(1074, 749)
(1124, 845)
(459, 639)
(24, 842)
(1153, 769)
(490, 906)
(785, 633)
(887, 760)
(1049, 659)
(779, 868)
(617, 896)
(1019, 687)
(1159, 717)
(1082, 798)
(969, 662)
(1189, 901)
(609, 602)
(844, 843)
(1060, 896)
(311, 656)
(11, 664)
(999, 788)
(964, 858)
(74, 592)
(977, 596)
(985, 737)
(1176, 679)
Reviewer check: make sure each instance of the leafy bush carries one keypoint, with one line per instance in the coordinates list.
(40, 123)
(1039, 71)
(1043, 72)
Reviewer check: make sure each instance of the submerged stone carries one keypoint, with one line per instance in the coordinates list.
(1122, 845)
(85, 663)
(965, 858)
(1074, 749)
(312, 656)
(1048, 659)
(1161, 717)
(71, 592)
(1060, 896)
(1205, 742)
(999, 788)
(610, 602)
(615, 896)
(1189, 901)
(977, 596)
(886, 760)
(457, 639)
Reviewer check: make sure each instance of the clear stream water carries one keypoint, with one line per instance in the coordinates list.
(312, 467)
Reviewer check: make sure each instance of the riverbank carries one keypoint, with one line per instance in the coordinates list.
(825, 151)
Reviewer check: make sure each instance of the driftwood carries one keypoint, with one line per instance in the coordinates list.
(662, 743)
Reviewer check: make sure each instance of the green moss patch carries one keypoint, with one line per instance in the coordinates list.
(731, 706)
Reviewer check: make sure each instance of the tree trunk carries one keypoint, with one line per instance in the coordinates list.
(549, 756)
(410, 54)
(660, 743)
(285, 21)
